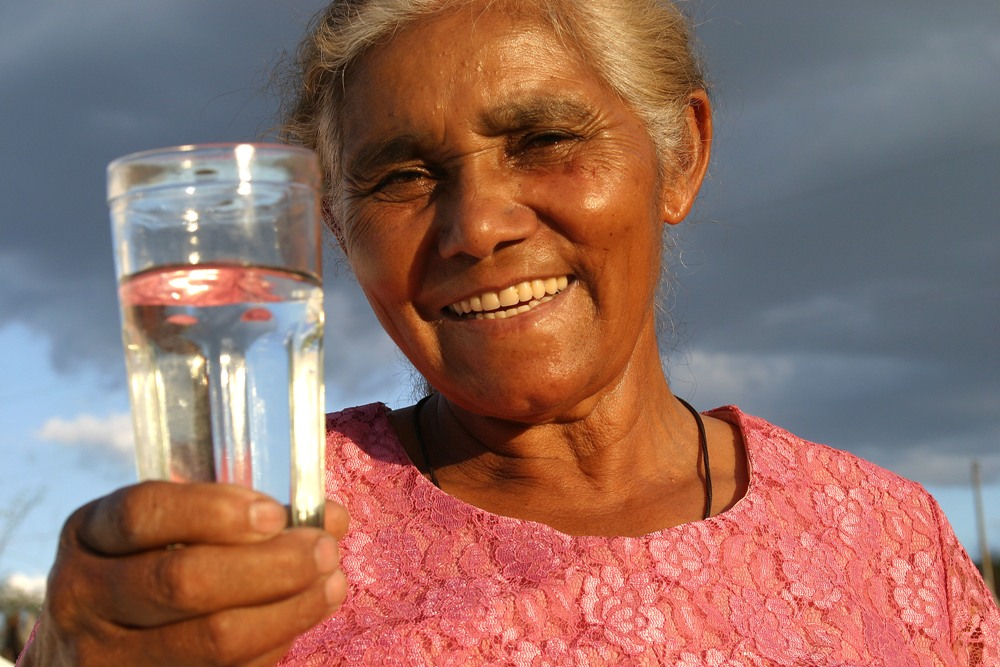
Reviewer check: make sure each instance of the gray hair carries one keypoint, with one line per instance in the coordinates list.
(640, 48)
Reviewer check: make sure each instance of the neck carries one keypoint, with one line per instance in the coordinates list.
(603, 443)
(628, 459)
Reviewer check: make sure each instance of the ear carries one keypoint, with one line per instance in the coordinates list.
(682, 182)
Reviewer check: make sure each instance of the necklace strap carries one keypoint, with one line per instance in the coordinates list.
(702, 442)
(420, 439)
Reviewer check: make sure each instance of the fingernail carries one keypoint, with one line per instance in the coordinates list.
(326, 555)
(267, 517)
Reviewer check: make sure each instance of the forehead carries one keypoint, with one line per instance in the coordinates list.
(471, 40)
(472, 57)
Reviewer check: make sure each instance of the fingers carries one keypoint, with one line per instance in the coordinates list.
(168, 585)
(155, 570)
(156, 514)
(337, 519)
(219, 554)
(249, 637)
(240, 636)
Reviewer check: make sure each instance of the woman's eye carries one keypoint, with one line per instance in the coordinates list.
(545, 139)
(400, 177)
(542, 148)
(403, 183)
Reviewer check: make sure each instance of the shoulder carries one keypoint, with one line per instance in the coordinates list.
(779, 454)
(361, 447)
(365, 427)
(357, 420)
(851, 520)
(840, 500)
(823, 482)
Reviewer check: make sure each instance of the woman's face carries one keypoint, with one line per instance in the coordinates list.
(485, 166)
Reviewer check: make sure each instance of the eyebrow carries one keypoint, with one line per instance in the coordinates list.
(533, 112)
(378, 153)
(502, 119)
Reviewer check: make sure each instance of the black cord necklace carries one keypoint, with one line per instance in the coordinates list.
(420, 439)
(702, 441)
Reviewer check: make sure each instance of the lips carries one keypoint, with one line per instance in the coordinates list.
(511, 301)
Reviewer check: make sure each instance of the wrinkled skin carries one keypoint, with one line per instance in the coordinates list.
(173, 574)
(481, 154)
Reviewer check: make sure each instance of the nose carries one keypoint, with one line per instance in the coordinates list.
(481, 213)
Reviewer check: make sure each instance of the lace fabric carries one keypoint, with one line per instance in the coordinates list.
(828, 560)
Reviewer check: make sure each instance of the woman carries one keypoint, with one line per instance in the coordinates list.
(499, 175)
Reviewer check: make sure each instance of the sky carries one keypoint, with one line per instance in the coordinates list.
(838, 277)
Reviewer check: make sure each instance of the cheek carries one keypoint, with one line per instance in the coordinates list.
(360, 233)
(617, 180)
(594, 202)
(610, 208)
(607, 208)
(377, 258)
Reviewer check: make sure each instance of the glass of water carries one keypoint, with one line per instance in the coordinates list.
(217, 254)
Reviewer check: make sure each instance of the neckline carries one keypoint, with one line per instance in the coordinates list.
(728, 413)
(702, 445)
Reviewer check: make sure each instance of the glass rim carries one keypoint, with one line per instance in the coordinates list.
(301, 163)
(266, 146)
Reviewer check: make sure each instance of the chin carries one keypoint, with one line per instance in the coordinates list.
(519, 401)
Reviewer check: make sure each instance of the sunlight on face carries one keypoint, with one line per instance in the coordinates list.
(480, 158)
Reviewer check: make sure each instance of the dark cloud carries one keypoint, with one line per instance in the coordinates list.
(85, 83)
(841, 280)
(844, 271)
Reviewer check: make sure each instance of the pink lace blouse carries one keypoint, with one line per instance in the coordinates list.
(828, 560)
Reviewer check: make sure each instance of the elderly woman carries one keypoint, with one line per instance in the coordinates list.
(499, 175)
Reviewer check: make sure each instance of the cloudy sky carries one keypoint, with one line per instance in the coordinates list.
(840, 276)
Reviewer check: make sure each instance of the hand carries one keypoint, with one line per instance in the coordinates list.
(186, 574)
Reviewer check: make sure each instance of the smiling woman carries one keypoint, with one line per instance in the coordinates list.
(499, 174)
(456, 204)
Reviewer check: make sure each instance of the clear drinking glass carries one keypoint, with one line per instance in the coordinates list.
(218, 260)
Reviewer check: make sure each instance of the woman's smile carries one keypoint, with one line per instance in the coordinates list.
(510, 301)
(500, 179)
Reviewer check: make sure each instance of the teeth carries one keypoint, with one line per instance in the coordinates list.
(511, 301)
(509, 297)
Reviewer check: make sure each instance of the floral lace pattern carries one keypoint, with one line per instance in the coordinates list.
(828, 560)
